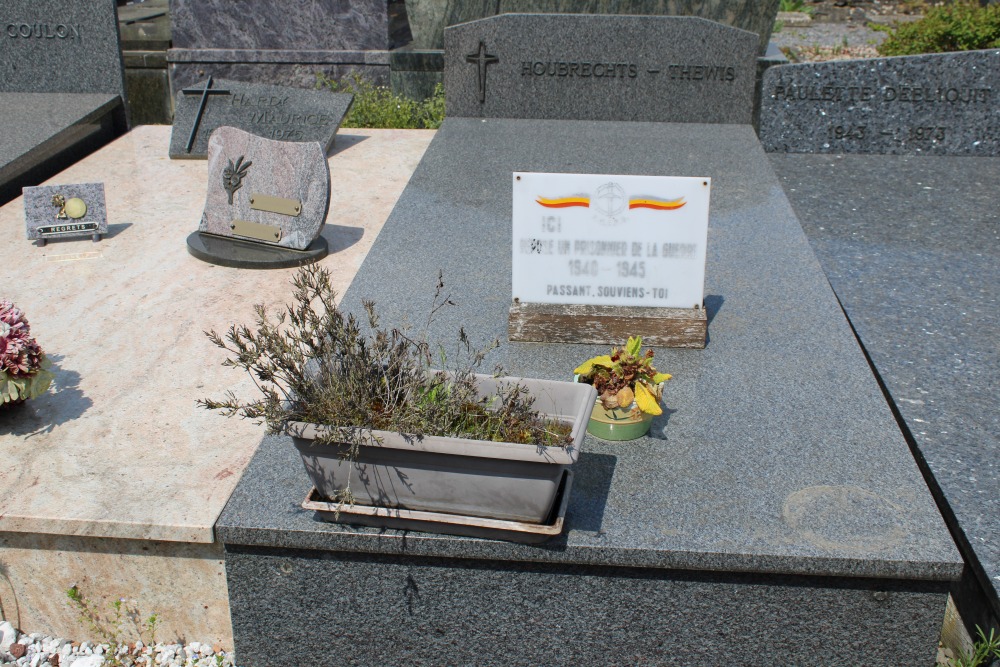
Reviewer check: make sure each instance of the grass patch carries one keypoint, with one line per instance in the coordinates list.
(958, 27)
(378, 107)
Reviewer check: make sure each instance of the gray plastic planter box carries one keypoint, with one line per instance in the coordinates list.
(500, 480)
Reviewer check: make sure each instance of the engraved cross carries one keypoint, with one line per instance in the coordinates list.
(482, 60)
(204, 92)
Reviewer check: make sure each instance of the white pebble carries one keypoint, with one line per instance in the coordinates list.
(8, 635)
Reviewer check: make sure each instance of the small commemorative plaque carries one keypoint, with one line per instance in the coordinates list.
(597, 258)
(65, 211)
(266, 203)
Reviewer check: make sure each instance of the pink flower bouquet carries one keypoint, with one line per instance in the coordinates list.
(24, 370)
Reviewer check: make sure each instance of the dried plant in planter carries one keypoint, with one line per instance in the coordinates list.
(24, 370)
(313, 363)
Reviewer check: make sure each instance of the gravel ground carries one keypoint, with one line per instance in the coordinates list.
(835, 33)
(36, 650)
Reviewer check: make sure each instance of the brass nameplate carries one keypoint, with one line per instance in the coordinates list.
(73, 228)
(255, 230)
(260, 202)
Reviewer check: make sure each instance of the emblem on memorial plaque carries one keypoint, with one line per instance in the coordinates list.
(232, 176)
(74, 208)
(610, 202)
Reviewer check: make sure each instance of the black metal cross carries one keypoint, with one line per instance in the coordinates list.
(482, 59)
(204, 92)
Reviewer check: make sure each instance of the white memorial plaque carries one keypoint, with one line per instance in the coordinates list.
(610, 240)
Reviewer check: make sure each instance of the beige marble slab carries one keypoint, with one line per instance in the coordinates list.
(183, 584)
(118, 448)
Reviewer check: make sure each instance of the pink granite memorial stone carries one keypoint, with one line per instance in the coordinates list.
(275, 193)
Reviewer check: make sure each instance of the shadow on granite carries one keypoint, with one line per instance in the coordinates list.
(63, 402)
(344, 142)
(341, 237)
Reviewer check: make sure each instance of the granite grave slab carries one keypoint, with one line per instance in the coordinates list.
(283, 43)
(777, 479)
(910, 245)
(273, 112)
(270, 197)
(65, 211)
(938, 104)
(61, 86)
(662, 68)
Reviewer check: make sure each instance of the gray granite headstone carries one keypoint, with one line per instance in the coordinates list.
(247, 174)
(429, 17)
(60, 46)
(273, 112)
(56, 211)
(649, 68)
(62, 88)
(939, 104)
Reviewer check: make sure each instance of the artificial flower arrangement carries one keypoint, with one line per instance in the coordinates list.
(24, 370)
(629, 390)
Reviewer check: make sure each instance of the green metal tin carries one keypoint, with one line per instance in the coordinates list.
(617, 424)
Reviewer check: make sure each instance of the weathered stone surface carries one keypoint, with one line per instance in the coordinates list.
(40, 212)
(428, 18)
(296, 171)
(272, 112)
(278, 24)
(939, 104)
(283, 43)
(600, 68)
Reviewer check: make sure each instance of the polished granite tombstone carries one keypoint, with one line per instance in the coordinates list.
(283, 43)
(910, 245)
(935, 104)
(650, 68)
(272, 112)
(61, 88)
(772, 512)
